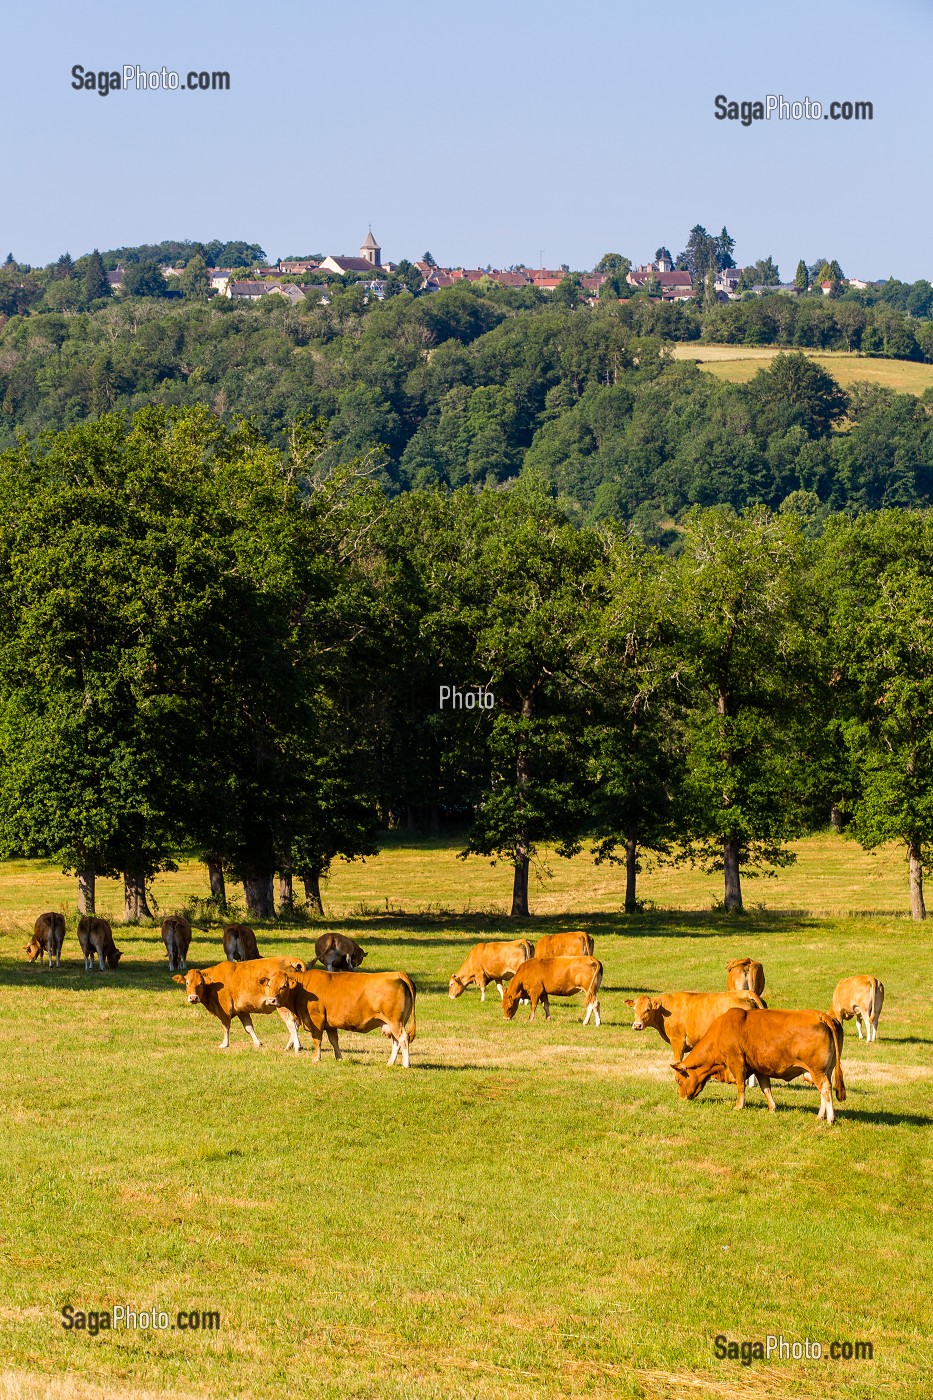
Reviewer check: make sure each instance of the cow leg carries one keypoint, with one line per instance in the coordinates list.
(406, 1062)
(100, 960)
(678, 1046)
(290, 1022)
(826, 1099)
(316, 1038)
(545, 1002)
(765, 1084)
(858, 1023)
(225, 1022)
(246, 1021)
(532, 997)
(334, 1043)
(395, 1046)
(737, 1070)
(501, 990)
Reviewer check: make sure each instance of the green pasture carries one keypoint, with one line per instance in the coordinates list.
(529, 1211)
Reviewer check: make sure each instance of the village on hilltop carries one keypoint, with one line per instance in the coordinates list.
(294, 279)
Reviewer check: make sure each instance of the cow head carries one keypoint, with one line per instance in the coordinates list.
(356, 957)
(648, 1012)
(511, 998)
(194, 983)
(456, 987)
(113, 956)
(690, 1080)
(279, 988)
(33, 949)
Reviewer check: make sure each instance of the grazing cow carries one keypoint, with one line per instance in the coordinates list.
(348, 1001)
(863, 998)
(745, 975)
(239, 989)
(176, 935)
(96, 936)
(539, 978)
(490, 962)
(564, 945)
(770, 1045)
(239, 943)
(683, 1018)
(48, 937)
(337, 953)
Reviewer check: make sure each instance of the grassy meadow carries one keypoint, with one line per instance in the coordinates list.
(739, 363)
(531, 1210)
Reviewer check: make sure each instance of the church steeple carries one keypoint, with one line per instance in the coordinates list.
(371, 251)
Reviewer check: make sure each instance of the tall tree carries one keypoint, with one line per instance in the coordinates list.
(802, 276)
(725, 246)
(880, 592)
(633, 741)
(95, 279)
(738, 607)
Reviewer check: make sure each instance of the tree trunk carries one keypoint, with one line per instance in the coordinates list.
(311, 880)
(918, 909)
(259, 901)
(520, 908)
(286, 888)
(835, 817)
(631, 871)
(215, 872)
(730, 861)
(87, 879)
(135, 905)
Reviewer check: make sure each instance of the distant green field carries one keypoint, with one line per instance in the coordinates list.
(529, 1211)
(739, 363)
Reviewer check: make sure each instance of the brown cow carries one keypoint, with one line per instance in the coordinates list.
(683, 1018)
(348, 1001)
(745, 975)
(337, 953)
(539, 978)
(176, 935)
(490, 962)
(564, 945)
(239, 989)
(48, 937)
(239, 943)
(769, 1045)
(96, 936)
(863, 998)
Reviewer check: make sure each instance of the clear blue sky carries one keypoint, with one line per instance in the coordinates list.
(486, 133)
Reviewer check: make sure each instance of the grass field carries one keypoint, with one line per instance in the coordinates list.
(530, 1211)
(739, 363)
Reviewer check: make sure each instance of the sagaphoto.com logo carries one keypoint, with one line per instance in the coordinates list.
(748, 110)
(131, 77)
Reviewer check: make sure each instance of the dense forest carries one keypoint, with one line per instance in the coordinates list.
(480, 386)
(212, 644)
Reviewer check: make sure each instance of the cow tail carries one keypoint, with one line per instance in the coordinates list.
(874, 999)
(836, 1031)
(411, 989)
(595, 980)
(528, 948)
(590, 945)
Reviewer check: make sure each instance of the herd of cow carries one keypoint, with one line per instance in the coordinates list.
(731, 1036)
